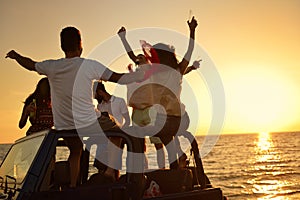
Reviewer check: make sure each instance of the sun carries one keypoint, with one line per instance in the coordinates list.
(259, 100)
(264, 134)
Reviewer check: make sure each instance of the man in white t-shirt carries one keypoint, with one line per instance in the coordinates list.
(71, 82)
(113, 105)
(115, 108)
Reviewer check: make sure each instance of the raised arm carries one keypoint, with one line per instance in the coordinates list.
(185, 61)
(122, 35)
(25, 62)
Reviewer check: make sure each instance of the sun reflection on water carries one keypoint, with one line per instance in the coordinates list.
(266, 167)
(264, 142)
(263, 148)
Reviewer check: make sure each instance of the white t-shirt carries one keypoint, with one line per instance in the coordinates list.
(116, 107)
(71, 81)
(167, 91)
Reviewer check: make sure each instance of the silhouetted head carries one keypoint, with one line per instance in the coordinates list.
(100, 87)
(43, 87)
(100, 91)
(41, 92)
(70, 40)
(141, 59)
(166, 55)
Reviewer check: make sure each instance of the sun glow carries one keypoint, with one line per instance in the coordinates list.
(267, 159)
(259, 99)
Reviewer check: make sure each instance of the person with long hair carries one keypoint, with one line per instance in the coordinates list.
(172, 115)
(37, 108)
(166, 74)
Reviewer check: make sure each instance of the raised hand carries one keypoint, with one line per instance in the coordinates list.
(30, 108)
(122, 32)
(192, 24)
(196, 64)
(12, 54)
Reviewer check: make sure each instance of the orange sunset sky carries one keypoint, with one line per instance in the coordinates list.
(254, 45)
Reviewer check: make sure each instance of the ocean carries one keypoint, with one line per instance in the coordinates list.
(256, 166)
(248, 166)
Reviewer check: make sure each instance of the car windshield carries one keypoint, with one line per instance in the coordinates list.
(20, 158)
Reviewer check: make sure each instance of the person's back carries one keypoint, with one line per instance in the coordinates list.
(172, 115)
(71, 80)
(167, 91)
(71, 83)
(165, 84)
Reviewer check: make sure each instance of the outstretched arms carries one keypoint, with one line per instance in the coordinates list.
(25, 62)
(122, 35)
(185, 61)
(126, 78)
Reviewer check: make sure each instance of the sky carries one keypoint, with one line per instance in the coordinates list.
(253, 45)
